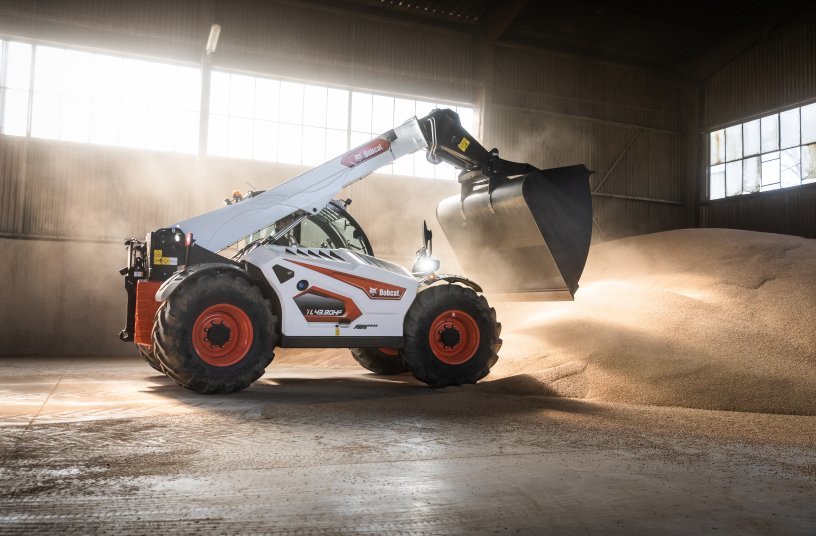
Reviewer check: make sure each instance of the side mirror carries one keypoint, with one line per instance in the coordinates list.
(427, 238)
(424, 265)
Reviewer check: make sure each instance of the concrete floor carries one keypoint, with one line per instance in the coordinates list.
(109, 446)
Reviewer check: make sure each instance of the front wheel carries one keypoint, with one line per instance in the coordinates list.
(451, 336)
(215, 334)
(385, 361)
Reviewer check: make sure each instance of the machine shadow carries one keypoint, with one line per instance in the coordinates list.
(372, 397)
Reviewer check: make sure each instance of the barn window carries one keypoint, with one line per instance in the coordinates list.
(772, 152)
(282, 121)
(88, 97)
(110, 100)
(15, 86)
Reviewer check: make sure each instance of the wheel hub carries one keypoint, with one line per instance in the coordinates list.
(217, 334)
(222, 335)
(450, 336)
(454, 337)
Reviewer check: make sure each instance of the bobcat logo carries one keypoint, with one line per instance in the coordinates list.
(372, 291)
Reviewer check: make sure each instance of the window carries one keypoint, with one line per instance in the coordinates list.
(275, 120)
(88, 97)
(769, 153)
(294, 123)
(98, 98)
(15, 86)
(110, 100)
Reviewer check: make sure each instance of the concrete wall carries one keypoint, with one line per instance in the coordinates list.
(546, 108)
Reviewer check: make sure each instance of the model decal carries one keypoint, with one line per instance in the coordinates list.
(319, 305)
(375, 290)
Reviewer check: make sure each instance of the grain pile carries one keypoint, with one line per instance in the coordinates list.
(700, 318)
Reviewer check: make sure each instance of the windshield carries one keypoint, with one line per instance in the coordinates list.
(333, 227)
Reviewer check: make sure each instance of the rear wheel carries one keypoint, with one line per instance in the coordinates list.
(451, 336)
(384, 361)
(215, 334)
(148, 355)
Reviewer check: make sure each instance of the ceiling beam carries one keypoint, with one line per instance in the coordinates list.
(499, 17)
(764, 22)
(388, 13)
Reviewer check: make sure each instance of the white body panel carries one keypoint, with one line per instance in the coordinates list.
(371, 291)
(309, 192)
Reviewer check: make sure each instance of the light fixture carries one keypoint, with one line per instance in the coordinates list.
(212, 41)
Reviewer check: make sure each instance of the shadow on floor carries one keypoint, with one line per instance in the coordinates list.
(371, 397)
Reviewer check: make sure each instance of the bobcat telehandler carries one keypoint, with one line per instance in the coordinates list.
(306, 277)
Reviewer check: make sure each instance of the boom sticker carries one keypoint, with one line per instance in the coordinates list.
(365, 152)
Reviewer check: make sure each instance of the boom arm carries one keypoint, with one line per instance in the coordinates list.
(440, 133)
(309, 192)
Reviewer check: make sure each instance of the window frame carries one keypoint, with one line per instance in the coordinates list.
(760, 154)
(121, 55)
(222, 69)
(203, 70)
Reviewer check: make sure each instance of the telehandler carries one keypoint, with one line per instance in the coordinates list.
(306, 277)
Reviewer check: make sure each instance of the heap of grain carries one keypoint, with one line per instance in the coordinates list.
(703, 318)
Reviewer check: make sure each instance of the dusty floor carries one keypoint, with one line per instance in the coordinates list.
(107, 445)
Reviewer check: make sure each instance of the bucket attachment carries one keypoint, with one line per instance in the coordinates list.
(526, 238)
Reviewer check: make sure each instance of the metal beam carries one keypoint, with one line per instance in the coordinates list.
(637, 198)
(765, 21)
(593, 120)
(395, 14)
(617, 160)
(499, 17)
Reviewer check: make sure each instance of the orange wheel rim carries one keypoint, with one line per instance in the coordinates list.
(222, 335)
(389, 351)
(454, 337)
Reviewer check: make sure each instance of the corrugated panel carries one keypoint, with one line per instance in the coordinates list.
(90, 192)
(314, 43)
(619, 218)
(153, 27)
(784, 211)
(12, 170)
(776, 73)
(644, 31)
(534, 79)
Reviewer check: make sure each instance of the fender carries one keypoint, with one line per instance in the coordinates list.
(451, 279)
(194, 272)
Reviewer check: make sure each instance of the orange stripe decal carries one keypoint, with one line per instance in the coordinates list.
(375, 290)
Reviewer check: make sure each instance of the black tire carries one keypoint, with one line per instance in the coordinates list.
(197, 364)
(379, 362)
(148, 355)
(468, 359)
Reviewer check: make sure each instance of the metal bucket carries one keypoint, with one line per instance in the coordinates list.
(529, 239)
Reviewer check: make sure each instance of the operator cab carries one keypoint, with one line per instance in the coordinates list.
(332, 228)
